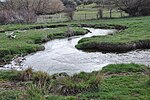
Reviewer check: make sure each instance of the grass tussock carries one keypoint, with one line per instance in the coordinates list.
(82, 82)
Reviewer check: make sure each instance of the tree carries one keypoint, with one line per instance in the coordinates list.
(26, 11)
(38, 6)
(134, 7)
(69, 13)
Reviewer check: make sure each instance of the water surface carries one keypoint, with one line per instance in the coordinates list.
(60, 55)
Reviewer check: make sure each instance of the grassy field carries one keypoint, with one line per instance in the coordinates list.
(114, 82)
(138, 30)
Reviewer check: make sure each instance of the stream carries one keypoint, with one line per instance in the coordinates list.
(60, 55)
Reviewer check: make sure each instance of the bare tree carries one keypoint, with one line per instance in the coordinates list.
(26, 11)
(69, 13)
(38, 6)
(134, 7)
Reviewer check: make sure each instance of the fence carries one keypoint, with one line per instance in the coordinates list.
(78, 16)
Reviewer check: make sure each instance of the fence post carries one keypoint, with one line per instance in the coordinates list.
(85, 16)
(51, 19)
(121, 13)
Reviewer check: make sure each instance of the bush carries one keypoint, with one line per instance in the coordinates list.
(20, 16)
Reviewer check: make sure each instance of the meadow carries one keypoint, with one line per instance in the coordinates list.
(113, 82)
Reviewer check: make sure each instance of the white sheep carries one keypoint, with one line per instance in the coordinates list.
(10, 35)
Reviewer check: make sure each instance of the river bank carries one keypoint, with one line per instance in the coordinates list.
(134, 35)
(29, 41)
(60, 55)
(115, 81)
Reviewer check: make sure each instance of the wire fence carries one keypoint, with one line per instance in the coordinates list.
(58, 18)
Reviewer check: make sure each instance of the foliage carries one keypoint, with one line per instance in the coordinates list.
(134, 7)
(20, 16)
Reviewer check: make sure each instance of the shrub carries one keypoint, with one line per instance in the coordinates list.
(20, 16)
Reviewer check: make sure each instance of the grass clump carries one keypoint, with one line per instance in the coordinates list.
(77, 84)
(27, 74)
(123, 68)
(41, 79)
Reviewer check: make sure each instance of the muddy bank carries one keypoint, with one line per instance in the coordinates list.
(104, 26)
(114, 48)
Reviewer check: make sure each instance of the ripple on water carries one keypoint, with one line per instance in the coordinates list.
(60, 55)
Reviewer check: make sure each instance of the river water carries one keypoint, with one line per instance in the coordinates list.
(60, 55)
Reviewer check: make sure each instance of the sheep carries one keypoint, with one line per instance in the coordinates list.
(10, 35)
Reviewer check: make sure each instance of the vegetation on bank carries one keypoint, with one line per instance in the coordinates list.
(116, 81)
(28, 41)
(136, 36)
(135, 31)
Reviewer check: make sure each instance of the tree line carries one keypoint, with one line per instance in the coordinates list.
(26, 11)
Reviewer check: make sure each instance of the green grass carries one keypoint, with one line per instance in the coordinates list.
(132, 87)
(122, 68)
(117, 86)
(120, 82)
(8, 75)
(138, 29)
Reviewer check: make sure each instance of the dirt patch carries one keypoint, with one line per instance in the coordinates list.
(11, 86)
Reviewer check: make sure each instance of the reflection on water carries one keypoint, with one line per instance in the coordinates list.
(60, 55)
